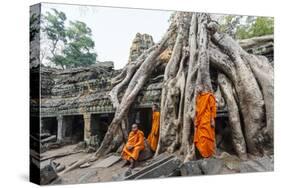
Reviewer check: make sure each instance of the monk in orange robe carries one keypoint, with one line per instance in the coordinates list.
(134, 145)
(154, 134)
(204, 134)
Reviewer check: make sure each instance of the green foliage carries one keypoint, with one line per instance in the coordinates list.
(247, 28)
(78, 45)
(262, 26)
(33, 26)
(54, 27)
(242, 32)
(79, 49)
(34, 30)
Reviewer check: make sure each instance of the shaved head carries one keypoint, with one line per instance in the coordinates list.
(154, 107)
(135, 127)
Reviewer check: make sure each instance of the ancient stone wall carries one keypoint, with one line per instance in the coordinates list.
(140, 43)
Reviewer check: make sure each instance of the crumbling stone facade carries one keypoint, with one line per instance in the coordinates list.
(84, 91)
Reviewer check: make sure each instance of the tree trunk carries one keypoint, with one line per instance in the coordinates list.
(250, 96)
(233, 115)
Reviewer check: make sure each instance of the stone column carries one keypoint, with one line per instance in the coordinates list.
(87, 127)
(61, 128)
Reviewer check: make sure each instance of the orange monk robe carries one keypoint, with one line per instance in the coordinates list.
(204, 136)
(137, 141)
(154, 134)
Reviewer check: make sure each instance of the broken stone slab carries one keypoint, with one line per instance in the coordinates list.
(107, 162)
(223, 165)
(202, 166)
(154, 163)
(85, 165)
(211, 166)
(45, 135)
(262, 164)
(47, 172)
(162, 156)
(52, 138)
(191, 168)
(60, 168)
(163, 167)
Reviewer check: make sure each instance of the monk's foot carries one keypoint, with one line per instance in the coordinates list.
(132, 165)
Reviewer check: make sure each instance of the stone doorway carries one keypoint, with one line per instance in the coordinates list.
(142, 116)
(49, 125)
(100, 123)
(74, 128)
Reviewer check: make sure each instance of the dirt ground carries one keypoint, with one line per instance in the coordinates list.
(90, 174)
(231, 164)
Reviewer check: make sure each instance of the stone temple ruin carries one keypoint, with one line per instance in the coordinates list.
(75, 108)
(75, 105)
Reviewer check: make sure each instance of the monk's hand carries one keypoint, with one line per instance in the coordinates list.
(213, 123)
(130, 147)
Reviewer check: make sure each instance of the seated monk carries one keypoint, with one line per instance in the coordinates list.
(134, 145)
(204, 133)
(154, 134)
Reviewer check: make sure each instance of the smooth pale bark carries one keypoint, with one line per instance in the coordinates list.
(264, 73)
(171, 94)
(233, 116)
(255, 41)
(203, 53)
(187, 146)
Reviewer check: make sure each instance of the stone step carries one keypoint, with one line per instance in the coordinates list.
(161, 166)
(165, 169)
